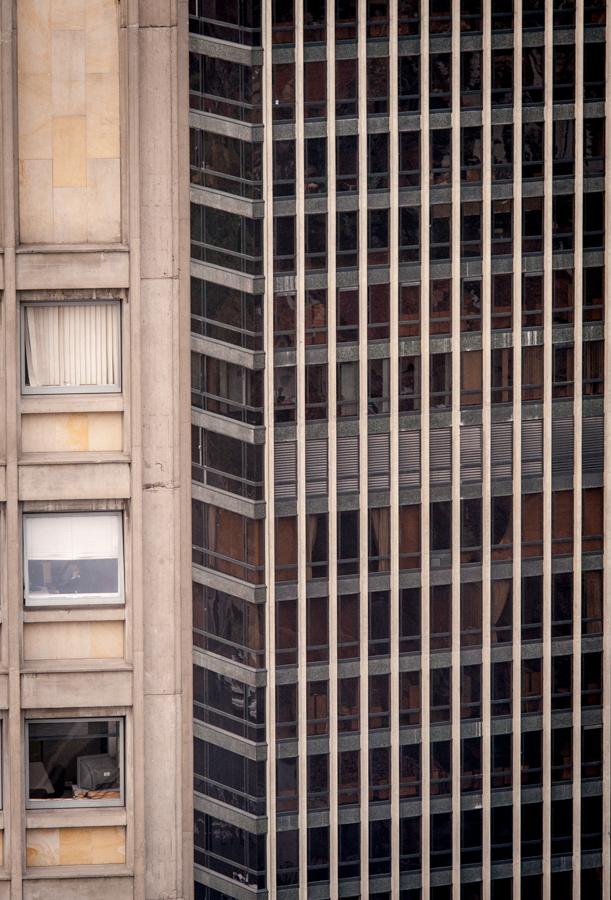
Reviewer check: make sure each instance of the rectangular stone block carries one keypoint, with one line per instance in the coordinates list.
(84, 689)
(68, 14)
(69, 151)
(68, 72)
(78, 481)
(70, 215)
(72, 432)
(102, 116)
(35, 139)
(34, 36)
(36, 200)
(73, 640)
(103, 200)
(103, 845)
(57, 270)
(101, 37)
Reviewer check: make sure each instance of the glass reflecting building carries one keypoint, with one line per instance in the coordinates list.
(401, 607)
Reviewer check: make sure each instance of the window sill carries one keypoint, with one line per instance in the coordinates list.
(50, 458)
(78, 614)
(74, 666)
(109, 871)
(75, 818)
(94, 401)
(72, 248)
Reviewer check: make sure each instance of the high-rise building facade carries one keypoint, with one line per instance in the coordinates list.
(95, 558)
(400, 248)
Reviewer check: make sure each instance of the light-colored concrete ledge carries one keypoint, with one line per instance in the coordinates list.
(252, 509)
(74, 481)
(252, 824)
(73, 666)
(239, 356)
(239, 53)
(230, 585)
(243, 131)
(250, 284)
(75, 818)
(91, 689)
(239, 206)
(230, 668)
(226, 885)
(79, 882)
(51, 268)
(84, 614)
(231, 742)
(71, 403)
(250, 434)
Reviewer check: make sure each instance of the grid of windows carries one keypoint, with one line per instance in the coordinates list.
(434, 390)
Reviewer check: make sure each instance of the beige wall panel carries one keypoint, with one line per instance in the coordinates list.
(69, 151)
(68, 13)
(42, 847)
(81, 481)
(103, 200)
(69, 214)
(68, 72)
(91, 689)
(36, 199)
(33, 44)
(35, 134)
(92, 846)
(75, 846)
(73, 640)
(102, 116)
(78, 889)
(68, 102)
(105, 431)
(102, 45)
(50, 271)
(76, 432)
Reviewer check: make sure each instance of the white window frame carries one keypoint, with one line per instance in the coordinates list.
(72, 804)
(32, 601)
(27, 390)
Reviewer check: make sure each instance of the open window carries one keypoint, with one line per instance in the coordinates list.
(74, 762)
(73, 559)
(71, 347)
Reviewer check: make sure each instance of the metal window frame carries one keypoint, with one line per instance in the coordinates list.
(26, 390)
(74, 804)
(81, 600)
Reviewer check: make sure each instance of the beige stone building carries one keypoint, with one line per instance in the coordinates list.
(95, 702)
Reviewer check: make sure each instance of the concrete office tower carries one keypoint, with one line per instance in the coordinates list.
(95, 652)
(399, 251)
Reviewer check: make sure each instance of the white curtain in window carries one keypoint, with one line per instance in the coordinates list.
(72, 345)
(89, 536)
